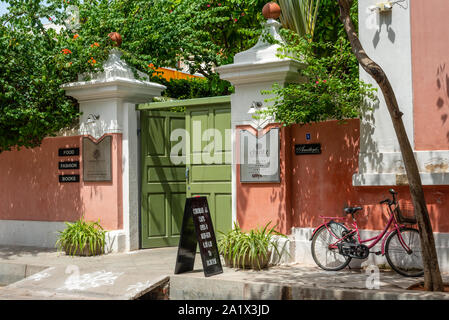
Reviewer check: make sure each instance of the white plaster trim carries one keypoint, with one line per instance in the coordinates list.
(44, 234)
(131, 90)
(116, 81)
(387, 169)
(130, 176)
(269, 70)
(234, 175)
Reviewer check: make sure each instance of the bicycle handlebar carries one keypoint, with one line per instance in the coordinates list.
(390, 202)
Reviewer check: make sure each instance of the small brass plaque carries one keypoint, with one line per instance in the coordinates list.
(97, 164)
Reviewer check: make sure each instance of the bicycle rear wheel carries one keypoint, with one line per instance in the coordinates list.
(326, 258)
(408, 264)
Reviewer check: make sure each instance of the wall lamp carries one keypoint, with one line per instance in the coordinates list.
(92, 118)
(384, 6)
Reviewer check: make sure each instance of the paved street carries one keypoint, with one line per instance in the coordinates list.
(52, 275)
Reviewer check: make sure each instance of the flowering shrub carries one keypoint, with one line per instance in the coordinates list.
(35, 61)
(330, 90)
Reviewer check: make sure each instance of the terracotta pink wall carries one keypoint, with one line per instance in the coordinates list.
(430, 68)
(322, 185)
(30, 189)
(260, 203)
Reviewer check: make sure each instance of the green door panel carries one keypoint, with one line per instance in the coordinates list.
(163, 183)
(209, 173)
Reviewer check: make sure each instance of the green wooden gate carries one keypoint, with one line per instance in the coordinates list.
(165, 185)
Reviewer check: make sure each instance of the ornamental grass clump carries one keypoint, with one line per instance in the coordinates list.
(82, 238)
(248, 250)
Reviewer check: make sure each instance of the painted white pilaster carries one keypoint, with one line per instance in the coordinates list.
(386, 38)
(108, 103)
(252, 72)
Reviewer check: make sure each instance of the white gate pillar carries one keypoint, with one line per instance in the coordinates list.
(108, 103)
(252, 72)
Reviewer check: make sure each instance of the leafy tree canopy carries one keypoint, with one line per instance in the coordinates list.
(36, 61)
(332, 89)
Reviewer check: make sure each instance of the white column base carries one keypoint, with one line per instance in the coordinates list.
(44, 234)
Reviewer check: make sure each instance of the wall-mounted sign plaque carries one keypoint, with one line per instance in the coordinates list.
(69, 152)
(197, 228)
(259, 157)
(69, 165)
(69, 178)
(308, 149)
(97, 164)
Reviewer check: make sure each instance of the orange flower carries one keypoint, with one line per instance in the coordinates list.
(95, 44)
(66, 51)
(75, 36)
(92, 61)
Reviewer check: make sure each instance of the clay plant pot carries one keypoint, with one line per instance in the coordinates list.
(85, 252)
(258, 263)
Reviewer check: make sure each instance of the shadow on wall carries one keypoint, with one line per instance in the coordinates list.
(384, 18)
(367, 131)
(442, 83)
(322, 183)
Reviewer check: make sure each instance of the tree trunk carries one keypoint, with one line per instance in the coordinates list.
(432, 275)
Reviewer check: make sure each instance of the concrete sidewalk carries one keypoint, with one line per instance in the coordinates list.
(52, 275)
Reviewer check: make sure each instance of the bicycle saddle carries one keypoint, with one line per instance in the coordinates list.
(352, 210)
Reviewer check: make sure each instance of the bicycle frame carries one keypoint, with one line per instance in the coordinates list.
(375, 240)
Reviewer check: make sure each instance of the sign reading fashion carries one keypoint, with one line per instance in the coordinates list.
(259, 157)
(197, 228)
(69, 165)
(308, 149)
(97, 164)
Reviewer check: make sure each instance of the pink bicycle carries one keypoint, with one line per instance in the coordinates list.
(334, 245)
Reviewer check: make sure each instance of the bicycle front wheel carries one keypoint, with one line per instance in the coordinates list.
(329, 258)
(408, 264)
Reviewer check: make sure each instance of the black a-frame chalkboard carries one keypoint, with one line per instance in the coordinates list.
(197, 228)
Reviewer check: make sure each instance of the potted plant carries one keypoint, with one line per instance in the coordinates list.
(248, 250)
(82, 238)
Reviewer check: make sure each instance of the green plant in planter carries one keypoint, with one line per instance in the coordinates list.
(248, 250)
(82, 238)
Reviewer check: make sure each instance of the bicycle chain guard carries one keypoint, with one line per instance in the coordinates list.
(353, 250)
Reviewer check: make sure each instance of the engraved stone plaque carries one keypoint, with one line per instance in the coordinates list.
(259, 157)
(97, 164)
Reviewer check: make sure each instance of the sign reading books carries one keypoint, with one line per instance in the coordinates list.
(196, 229)
(259, 157)
(97, 164)
(69, 178)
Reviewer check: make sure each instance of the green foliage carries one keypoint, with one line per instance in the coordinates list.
(81, 233)
(237, 246)
(35, 62)
(194, 88)
(331, 89)
(299, 15)
(201, 33)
